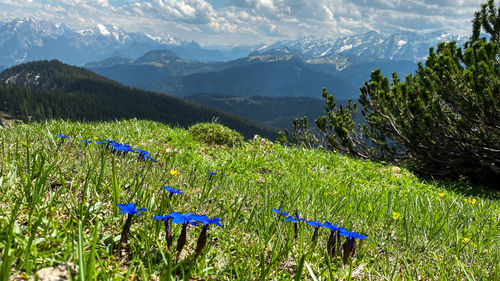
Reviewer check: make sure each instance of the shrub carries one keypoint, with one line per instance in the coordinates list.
(215, 134)
(443, 121)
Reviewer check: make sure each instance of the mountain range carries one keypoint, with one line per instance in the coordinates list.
(271, 73)
(30, 39)
(370, 46)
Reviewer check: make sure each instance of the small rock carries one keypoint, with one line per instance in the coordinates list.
(58, 273)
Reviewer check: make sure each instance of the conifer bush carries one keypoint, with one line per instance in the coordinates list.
(444, 120)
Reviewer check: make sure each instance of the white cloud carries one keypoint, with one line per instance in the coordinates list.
(247, 21)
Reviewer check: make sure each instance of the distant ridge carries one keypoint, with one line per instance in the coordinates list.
(51, 89)
(31, 39)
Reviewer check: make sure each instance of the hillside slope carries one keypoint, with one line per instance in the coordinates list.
(60, 204)
(51, 89)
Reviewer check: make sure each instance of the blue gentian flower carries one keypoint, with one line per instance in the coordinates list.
(212, 174)
(353, 235)
(185, 220)
(334, 240)
(166, 219)
(202, 239)
(203, 219)
(295, 219)
(144, 155)
(130, 209)
(172, 191)
(277, 211)
(138, 150)
(349, 246)
(86, 142)
(316, 225)
(62, 136)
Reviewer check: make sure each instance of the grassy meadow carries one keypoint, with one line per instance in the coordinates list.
(59, 202)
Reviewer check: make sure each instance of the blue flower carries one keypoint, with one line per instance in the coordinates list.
(277, 211)
(314, 223)
(62, 136)
(294, 219)
(349, 246)
(353, 235)
(332, 227)
(166, 219)
(202, 239)
(140, 151)
(172, 191)
(86, 142)
(130, 209)
(144, 155)
(121, 148)
(203, 219)
(183, 219)
(212, 173)
(333, 244)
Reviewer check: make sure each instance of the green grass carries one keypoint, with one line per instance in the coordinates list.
(59, 205)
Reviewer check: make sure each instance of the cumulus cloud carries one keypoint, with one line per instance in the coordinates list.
(247, 21)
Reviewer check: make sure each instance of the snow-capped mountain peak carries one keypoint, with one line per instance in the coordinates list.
(167, 39)
(370, 46)
(107, 31)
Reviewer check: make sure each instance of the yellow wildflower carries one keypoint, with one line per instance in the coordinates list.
(465, 240)
(174, 173)
(472, 201)
(396, 215)
(441, 194)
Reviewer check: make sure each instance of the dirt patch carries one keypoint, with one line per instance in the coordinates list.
(6, 119)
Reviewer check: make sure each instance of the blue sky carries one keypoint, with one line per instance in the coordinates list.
(237, 22)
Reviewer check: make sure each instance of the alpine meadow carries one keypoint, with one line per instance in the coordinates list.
(103, 181)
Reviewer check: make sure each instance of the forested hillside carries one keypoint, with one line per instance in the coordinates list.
(50, 89)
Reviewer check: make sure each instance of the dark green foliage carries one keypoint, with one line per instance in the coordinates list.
(442, 121)
(337, 125)
(50, 89)
(445, 119)
(212, 133)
